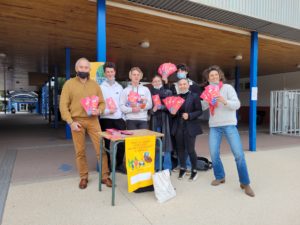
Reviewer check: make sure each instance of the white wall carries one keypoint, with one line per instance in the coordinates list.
(285, 12)
(9, 82)
(268, 83)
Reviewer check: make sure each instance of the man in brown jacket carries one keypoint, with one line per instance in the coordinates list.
(80, 122)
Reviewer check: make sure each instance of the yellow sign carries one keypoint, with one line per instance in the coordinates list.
(140, 157)
(97, 72)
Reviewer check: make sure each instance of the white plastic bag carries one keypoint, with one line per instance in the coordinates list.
(163, 187)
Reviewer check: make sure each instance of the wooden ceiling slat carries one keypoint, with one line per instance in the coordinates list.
(31, 30)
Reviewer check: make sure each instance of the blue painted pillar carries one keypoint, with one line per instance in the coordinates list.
(68, 76)
(9, 105)
(101, 34)
(37, 107)
(101, 31)
(45, 105)
(42, 100)
(253, 90)
(50, 100)
(55, 96)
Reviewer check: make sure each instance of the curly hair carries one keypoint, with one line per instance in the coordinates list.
(206, 72)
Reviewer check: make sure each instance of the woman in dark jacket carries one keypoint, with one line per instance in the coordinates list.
(182, 73)
(160, 122)
(186, 127)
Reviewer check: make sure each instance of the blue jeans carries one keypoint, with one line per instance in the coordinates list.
(166, 160)
(233, 138)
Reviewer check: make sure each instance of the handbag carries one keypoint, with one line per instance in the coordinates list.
(163, 187)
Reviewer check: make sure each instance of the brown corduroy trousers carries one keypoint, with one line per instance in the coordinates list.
(91, 126)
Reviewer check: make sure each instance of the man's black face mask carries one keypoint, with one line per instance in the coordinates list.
(83, 75)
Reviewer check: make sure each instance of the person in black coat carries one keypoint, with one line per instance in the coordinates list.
(182, 73)
(186, 127)
(160, 122)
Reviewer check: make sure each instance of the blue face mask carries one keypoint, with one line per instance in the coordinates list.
(181, 75)
(184, 92)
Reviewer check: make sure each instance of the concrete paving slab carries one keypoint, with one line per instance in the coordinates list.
(275, 178)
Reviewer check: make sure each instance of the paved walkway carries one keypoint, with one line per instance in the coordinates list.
(275, 178)
(44, 185)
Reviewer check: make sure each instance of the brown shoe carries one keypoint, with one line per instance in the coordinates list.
(248, 190)
(83, 183)
(107, 181)
(217, 182)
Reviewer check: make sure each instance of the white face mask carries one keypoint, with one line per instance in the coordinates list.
(184, 92)
(157, 87)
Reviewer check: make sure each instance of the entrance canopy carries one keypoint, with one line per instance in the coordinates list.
(34, 35)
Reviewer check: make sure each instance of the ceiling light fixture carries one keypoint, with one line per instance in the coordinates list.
(145, 44)
(238, 57)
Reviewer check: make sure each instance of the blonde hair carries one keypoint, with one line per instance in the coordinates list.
(137, 69)
(80, 60)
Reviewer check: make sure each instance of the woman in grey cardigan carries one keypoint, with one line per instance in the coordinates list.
(222, 121)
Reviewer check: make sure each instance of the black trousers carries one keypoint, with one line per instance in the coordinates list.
(137, 124)
(185, 142)
(120, 125)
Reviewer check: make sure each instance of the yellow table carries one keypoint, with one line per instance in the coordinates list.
(113, 152)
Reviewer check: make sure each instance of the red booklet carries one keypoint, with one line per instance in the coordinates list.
(133, 97)
(113, 131)
(166, 69)
(156, 100)
(209, 95)
(90, 103)
(173, 103)
(111, 105)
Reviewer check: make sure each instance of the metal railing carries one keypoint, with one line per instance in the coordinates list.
(285, 112)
